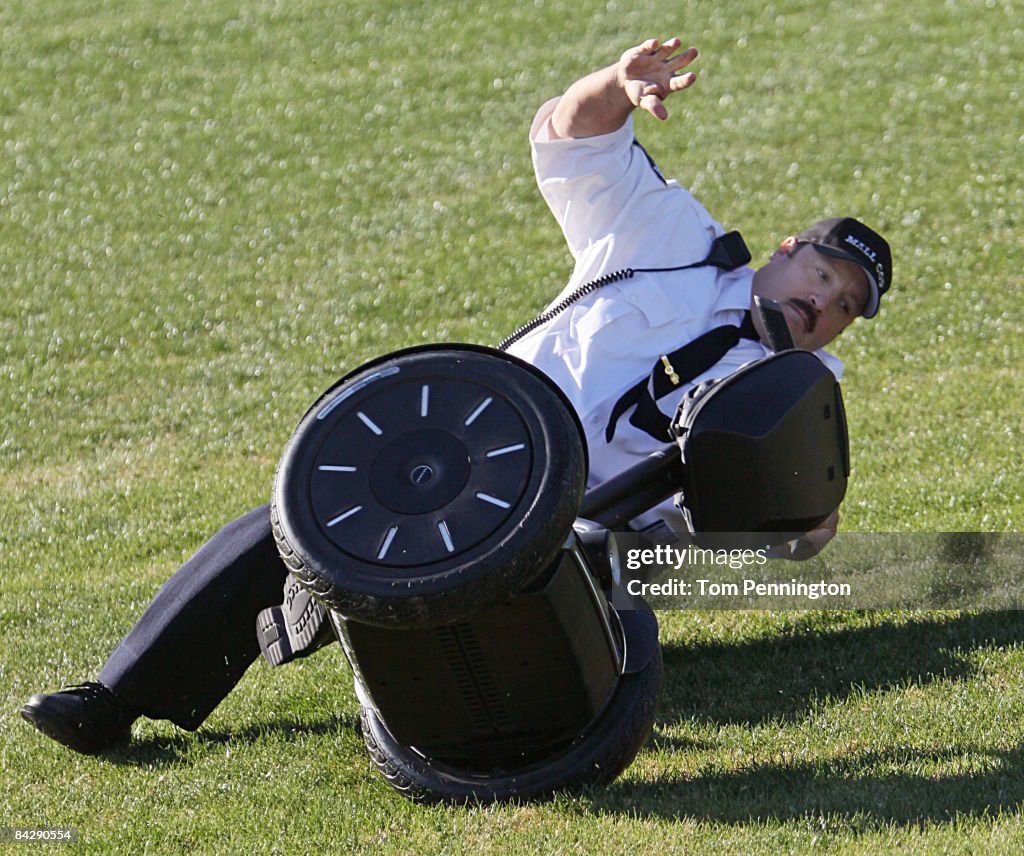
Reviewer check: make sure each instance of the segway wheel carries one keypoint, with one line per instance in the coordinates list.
(595, 758)
(429, 483)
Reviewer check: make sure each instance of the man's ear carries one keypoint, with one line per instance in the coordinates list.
(785, 248)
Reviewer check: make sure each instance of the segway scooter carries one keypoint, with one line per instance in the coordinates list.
(434, 502)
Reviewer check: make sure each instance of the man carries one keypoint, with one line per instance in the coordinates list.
(618, 212)
(196, 639)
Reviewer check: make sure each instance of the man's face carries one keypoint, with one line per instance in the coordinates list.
(820, 295)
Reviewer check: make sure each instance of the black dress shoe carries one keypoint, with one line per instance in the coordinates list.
(88, 717)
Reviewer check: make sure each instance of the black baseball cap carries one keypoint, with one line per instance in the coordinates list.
(846, 238)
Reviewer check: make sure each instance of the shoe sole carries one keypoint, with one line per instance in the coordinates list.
(295, 629)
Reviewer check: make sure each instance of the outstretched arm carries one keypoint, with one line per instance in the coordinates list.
(643, 77)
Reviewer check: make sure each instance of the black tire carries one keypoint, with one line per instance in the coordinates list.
(595, 758)
(427, 484)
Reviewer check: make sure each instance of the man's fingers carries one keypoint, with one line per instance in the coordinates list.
(682, 81)
(653, 87)
(653, 46)
(666, 49)
(639, 90)
(652, 67)
(682, 60)
(653, 105)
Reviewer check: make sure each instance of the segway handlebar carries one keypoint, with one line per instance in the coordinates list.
(636, 490)
(633, 491)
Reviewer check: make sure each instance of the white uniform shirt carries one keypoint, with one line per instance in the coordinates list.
(617, 212)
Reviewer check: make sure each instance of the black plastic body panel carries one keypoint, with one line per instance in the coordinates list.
(516, 678)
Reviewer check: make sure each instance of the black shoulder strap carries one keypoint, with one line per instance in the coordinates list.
(672, 370)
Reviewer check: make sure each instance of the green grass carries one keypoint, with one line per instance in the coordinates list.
(210, 211)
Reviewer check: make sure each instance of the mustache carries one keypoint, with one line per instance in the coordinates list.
(808, 312)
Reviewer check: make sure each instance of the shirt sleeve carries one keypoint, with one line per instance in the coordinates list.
(832, 362)
(608, 186)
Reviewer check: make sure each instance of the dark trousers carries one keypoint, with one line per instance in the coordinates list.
(198, 636)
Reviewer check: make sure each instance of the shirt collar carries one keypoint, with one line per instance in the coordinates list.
(734, 289)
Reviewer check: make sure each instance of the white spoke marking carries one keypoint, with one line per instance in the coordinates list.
(424, 400)
(344, 514)
(481, 407)
(369, 423)
(330, 468)
(387, 542)
(446, 536)
(504, 450)
(493, 500)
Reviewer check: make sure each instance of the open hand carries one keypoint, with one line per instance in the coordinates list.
(648, 74)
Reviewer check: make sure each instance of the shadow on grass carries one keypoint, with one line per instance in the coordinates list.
(837, 787)
(778, 679)
(782, 679)
(179, 748)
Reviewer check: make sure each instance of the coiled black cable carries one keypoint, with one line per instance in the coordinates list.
(582, 291)
(728, 252)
